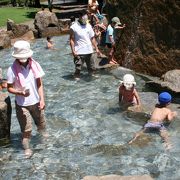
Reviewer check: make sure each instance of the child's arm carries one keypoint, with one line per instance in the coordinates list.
(120, 93)
(12, 90)
(137, 97)
(120, 27)
(171, 115)
(120, 97)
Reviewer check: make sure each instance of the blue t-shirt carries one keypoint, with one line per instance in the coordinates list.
(109, 32)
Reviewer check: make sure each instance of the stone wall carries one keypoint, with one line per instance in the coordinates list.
(150, 42)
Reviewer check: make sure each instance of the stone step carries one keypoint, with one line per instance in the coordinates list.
(65, 7)
(56, 2)
(67, 13)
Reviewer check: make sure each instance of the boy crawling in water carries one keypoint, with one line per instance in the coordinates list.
(159, 116)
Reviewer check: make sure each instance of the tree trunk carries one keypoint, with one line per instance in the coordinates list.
(50, 5)
(37, 3)
(13, 2)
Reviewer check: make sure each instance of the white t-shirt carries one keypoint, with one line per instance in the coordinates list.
(82, 38)
(30, 82)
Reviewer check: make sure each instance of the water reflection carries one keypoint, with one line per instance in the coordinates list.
(88, 132)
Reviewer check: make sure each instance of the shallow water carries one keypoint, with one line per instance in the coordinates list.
(88, 132)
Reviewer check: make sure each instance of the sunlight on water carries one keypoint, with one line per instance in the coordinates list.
(88, 132)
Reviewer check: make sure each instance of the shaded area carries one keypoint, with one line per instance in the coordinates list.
(150, 42)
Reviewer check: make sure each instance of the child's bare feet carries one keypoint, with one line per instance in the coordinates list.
(28, 153)
(113, 62)
(131, 141)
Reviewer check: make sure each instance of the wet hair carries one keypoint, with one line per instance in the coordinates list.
(48, 38)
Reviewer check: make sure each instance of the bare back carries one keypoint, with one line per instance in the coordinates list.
(161, 114)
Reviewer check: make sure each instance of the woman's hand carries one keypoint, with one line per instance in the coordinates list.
(41, 105)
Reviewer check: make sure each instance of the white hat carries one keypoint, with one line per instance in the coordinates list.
(22, 50)
(128, 78)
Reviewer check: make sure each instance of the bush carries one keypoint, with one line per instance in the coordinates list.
(4, 2)
(20, 2)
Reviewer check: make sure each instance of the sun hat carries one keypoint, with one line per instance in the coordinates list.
(164, 98)
(129, 78)
(116, 20)
(22, 50)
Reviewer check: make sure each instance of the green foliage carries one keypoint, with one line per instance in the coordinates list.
(5, 2)
(21, 2)
(115, 2)
(18, 15)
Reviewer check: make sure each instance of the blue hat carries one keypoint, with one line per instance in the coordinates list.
(164, 98)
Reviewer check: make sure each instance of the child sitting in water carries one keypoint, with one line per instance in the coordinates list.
(128, 95)
(160, 114)
(50, 43)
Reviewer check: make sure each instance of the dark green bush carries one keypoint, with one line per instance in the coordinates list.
(4, 2)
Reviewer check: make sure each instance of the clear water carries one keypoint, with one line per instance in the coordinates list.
(88, 132)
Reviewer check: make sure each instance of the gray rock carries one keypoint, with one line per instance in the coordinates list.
(5, 39)
(170, 81)
(5, 117)
(64, 25)
(46, 23)
(18, 30)
(116, 177)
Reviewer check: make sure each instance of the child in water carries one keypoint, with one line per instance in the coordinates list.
(50, 43)
(160, 114)
(128, 95)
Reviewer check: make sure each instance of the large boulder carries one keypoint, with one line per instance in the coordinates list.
(17, 30)
(149, 43)
(14, 32)
(28, 36)
(170, 81)
(46, 23)
(5, 117)
(64, 25)
(5, 40)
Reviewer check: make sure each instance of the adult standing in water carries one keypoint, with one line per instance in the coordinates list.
(24, 80)
(82, 42)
